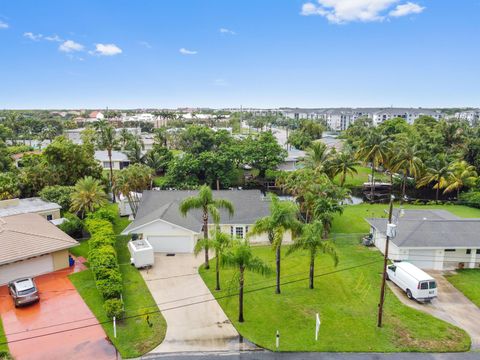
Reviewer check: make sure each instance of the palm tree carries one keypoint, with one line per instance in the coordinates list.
(88, 195)
(107, 140)
(241, 257)
(407, 161)
(135, 150)
(316, 155)
(219, 242)
(283, 217)
(125, 137)
(131, 182)
(343, 164)
(438, 173)
(312, 241)
(374, 149)
(462, 174)
(209, 206)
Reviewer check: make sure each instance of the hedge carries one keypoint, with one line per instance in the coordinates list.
(114, 307)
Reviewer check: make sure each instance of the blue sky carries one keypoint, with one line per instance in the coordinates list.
(270, 53)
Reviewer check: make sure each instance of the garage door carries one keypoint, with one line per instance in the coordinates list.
(424, 259)
(31, 267)
(172, 244)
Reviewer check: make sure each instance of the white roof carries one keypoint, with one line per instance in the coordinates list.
(24, 206)
(24, 284)
(102, 155)
(413, 271)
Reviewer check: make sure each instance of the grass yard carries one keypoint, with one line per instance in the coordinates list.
(362, 177)
(3, 339)
(468, 282)
(352, 219)
(136, 335)
(347, 303)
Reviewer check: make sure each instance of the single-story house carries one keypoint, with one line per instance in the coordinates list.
(160, 222)
(119, 159)
(292, 161)
(431, 239)
(49, 210)
(30, 246)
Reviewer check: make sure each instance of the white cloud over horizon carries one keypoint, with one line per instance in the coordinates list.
(106, 50)
(55, 38)
(145, 44)
(69, 46)
(32, 36)
(184, 51)
(4, 25)
(344, 11)
(227, 31)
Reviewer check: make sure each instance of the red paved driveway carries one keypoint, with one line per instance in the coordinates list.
(59, 303)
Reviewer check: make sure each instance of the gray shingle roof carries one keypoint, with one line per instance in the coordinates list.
(28, 205)
(249, 205)
(432, 229)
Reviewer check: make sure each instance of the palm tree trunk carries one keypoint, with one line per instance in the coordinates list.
(436, 192)
(312, 271)
(217, 269)
(240, 296)
(372, 184)
(458, 193)
(111, 172)
(277, 291)
(391, 183)
(205, 236)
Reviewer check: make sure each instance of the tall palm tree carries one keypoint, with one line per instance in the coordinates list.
(209, 206)
(283, 217)
(343, 164)
(107, 140)
(88, 195)
(241, 257)
(438, 173)
(408, 161)
(220, 242)
(135, 149)
(316, 155)
(374, 149)
(124, 138)
(312, 241)
(462, 174)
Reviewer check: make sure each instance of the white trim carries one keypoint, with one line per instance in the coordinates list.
(154, 221)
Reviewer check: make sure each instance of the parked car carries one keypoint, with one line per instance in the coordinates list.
(416, 283)
(23, 291)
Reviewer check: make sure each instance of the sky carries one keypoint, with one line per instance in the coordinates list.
(232, 53)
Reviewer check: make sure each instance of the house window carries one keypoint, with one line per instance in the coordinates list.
(469, 251)
(231, 230)
(106, 164)
(50, 217)
(477, 251)
(239, 232)
(449, 250)
(246, 229)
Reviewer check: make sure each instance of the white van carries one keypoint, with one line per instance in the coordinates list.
(416, 283)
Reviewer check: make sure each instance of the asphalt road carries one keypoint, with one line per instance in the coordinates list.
(265, 355)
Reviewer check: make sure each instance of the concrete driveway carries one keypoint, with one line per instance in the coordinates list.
(195, 321)
(450, 305)
(33, 332)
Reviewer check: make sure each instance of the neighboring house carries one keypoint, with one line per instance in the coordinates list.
(292, 161)
(75, 135)
(160, 222)
(35, 205)
(95, 116)
(31, 246)
(119, 159)
(431, 239)
(18, 157)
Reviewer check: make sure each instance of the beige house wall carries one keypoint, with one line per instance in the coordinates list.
(60, 259)
(55, 213)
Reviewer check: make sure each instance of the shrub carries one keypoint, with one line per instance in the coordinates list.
(109, 274)
(100, 240)
(110, 288)
(58, 194)
(114, 307)
(94, 226)
(108, 213)
(102, 258)
(470, 198)
(73, 227)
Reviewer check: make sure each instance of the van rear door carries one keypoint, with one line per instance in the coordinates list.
(426, 290)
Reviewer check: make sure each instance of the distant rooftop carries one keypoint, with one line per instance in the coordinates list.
(24, 206)
(102, 155)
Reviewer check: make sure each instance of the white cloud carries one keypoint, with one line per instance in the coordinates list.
(220, 82)
(146, 44)
(70, 46)
(184, 51)
(32, 36)
(55, 38)
(106, 50)
(406, 9)
(227, 31)
(3, 25)
(344, 11)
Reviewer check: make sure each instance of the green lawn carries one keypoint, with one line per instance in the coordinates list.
(135, 336)
(352, 219)
(468, 282)
(362, 177)
(347, 303)
(3, 347)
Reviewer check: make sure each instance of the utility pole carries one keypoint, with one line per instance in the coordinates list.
(385, 261)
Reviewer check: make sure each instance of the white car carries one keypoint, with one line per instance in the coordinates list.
(416, 283)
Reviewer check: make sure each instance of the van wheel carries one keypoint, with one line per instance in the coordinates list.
(409, 294)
